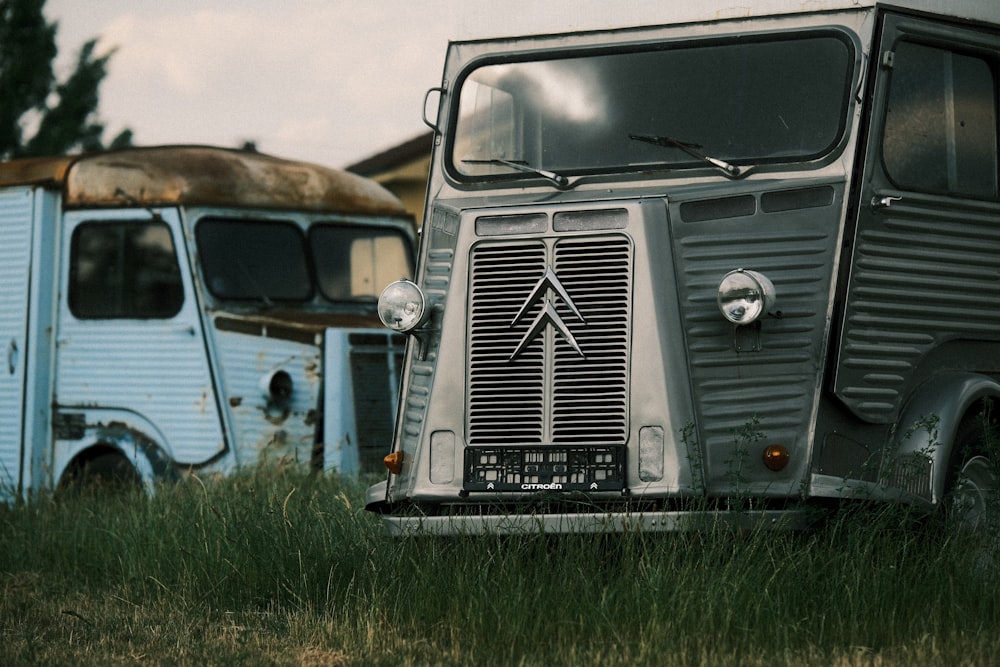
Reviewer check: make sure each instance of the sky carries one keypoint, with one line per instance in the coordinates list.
(326, 81)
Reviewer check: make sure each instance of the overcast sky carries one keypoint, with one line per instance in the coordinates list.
(329, 81)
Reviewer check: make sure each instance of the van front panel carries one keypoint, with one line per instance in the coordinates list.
(590, 195)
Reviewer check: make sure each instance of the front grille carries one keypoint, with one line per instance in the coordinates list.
(550, 377)
(376, 361)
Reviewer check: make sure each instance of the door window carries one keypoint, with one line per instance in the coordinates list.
(941, 122)
(124, 270)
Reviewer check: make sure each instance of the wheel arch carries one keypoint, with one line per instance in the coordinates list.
(147, 455)
(933, 416)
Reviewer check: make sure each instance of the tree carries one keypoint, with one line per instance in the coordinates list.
(65, 113)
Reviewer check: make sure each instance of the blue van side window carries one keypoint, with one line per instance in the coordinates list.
(124, 270)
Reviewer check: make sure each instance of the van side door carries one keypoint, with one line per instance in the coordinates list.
(131, 350)
(924, 271)
(17, 209)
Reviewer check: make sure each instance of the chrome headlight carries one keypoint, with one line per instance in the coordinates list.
(744, 296)
(402, 306)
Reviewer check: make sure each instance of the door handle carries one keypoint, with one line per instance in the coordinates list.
(879, 203)
(12, 356)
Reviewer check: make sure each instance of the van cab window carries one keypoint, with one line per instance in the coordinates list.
(775, 99)
(941, 122)
(124, 270)
(258, 260)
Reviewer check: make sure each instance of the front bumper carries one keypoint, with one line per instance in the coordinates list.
(791, 518)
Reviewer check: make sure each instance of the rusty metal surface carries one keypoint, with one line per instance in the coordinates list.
(201, 176)
(36, 170)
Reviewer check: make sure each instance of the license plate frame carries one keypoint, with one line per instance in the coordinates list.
(527, 468)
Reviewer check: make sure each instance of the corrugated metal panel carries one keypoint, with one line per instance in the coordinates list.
(15, 238)
(441, 228)
(265, 431)
(795, 248)
(362, 369)
(922, 275)
(153, 368)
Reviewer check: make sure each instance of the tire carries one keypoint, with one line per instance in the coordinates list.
(971, 499)
(106, 473)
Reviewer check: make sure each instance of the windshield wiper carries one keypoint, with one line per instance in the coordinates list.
(729, 169)
(559, 180)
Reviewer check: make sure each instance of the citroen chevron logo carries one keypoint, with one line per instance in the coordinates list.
(548, 314)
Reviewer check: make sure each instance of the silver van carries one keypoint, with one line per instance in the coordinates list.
(729, 264)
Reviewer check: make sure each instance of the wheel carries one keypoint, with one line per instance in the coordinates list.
(974, 491)
(107, 472)
(971, 499)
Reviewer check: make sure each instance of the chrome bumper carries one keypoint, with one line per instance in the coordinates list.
(522, 524)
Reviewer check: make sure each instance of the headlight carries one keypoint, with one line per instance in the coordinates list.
(745, 295)
(402, 307)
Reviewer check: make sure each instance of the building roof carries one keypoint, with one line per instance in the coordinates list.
(200, 176)
(409, 151)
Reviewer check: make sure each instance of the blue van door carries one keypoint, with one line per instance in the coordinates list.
(16, 210)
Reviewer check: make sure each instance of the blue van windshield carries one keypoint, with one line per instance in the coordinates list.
(265, 261)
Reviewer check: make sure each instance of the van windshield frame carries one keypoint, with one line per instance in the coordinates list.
(740, 100)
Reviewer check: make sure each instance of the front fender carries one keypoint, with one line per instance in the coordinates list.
(932, 416)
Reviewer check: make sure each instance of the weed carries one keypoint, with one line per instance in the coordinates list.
(279, 568)
(743, 437)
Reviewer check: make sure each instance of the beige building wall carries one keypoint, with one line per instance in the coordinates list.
(402, 170)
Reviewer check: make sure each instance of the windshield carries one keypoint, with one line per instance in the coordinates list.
(709, 104)
(275, 261)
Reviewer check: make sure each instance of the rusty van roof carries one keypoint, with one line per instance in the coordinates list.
(200, 176)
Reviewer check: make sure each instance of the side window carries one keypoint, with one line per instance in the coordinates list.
(124, 270)
(941, 122)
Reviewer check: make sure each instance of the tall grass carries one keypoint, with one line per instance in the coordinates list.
(277, 568)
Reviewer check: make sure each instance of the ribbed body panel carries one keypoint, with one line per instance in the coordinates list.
(766, 374)
(920, 278)
(15, 237)
(262, 430)
(150, 368)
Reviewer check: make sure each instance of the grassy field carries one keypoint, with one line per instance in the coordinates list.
(285, 569)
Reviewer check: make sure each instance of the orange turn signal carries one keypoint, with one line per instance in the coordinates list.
(776, 457)
(394, 462)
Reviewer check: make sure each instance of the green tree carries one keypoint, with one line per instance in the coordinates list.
(65, 113)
